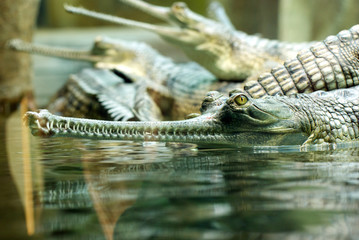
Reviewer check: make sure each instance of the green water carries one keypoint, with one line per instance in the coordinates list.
(81, 189)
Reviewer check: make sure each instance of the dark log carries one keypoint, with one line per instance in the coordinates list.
(17, 20)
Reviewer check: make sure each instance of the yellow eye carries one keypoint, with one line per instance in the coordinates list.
(241, 99)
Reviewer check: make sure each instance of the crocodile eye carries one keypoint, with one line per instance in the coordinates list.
(241, 100)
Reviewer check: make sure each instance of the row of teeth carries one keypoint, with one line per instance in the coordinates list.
(59, 127)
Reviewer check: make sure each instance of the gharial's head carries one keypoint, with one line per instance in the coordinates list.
(206, 41)
(235, 120)
(248, 121)
(127, 57)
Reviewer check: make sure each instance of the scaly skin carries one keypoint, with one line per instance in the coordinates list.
(235, 120)
(327, 65)
(228, 54)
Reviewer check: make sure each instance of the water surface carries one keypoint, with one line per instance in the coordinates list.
(65, 188)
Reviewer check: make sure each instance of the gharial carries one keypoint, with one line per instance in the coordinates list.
(235, 120)
(239, 119)
(227, 53)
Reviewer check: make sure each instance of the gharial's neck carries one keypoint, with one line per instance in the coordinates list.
(327, 116)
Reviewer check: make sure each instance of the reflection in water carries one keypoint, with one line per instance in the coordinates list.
(28, 187)
(124, 190)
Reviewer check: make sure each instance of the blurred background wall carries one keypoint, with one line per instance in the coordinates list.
(291, 20)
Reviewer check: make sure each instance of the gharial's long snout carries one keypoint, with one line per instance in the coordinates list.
(23, 46)
(201, 129)
(164, 31)
(186, 28)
